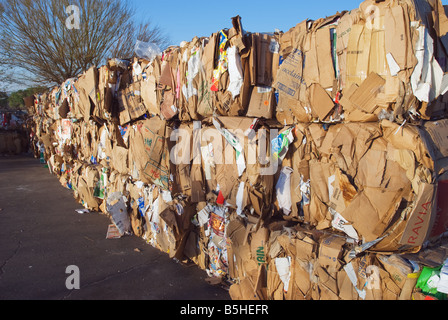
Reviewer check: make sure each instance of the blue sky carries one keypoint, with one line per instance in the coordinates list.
(183, 20)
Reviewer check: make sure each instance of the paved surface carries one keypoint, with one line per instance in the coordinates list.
(41, 234)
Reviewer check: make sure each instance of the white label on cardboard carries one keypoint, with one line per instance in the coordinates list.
(354, 280)
(283, 190)
(208, 162)
(166, 196)
(116, 206)
(231, 138)
(137, 69)
(264, 89)
(283, 269)
(204, 215)
(340, 223)
(393, 65)
(274, 46)
(241, 163)
(239, 199)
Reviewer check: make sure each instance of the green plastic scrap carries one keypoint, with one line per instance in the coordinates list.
(424, 282)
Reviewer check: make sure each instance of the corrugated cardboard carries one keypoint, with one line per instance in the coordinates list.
(320, 101)
(323, 66)
(371, 211)
(330, 251)
(398, 37)
(258, 245)
(263, 56)
(365, 97)
(397, 267)
(419, 220)
(290, 78)
(149, 90)
(343, 31)
(133, 102)
(149, 152)
(262, 103)
(87, 85)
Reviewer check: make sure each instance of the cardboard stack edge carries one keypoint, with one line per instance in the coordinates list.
(306, 164)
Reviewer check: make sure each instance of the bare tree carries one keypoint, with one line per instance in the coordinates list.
(58, 39)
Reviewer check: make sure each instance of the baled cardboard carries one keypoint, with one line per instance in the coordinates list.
(131, 101)
(327, 284)
(418, 225)
(149, 89)
(150, 153)
(86, 86)
(365, 97)
(105, 94)
(258, 245)
(398, 39)
(263, 56)
(371, 211)
(205, 95)
(440, 18)
(360, 177)
(330, 251)
(241, 251)
(319, 66)
(343, 30)
(262, 103)
(435, 136)
(290, 78)
(119, 159)
(397, 267)
(321, 102)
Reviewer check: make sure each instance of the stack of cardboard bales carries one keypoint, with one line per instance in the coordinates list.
(296, 165)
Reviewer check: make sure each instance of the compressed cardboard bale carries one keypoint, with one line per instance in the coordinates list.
(330, 251)
(130, 103)
(105, 94)
(328, 289)
(248, 255)
(181, 156)
(290, 81)
(343, 30)
(262, 103)
(87, 87)
(302, 253)
(149, 152)
(263, 59)
(397, 267)
(85, 195)
(149, 87)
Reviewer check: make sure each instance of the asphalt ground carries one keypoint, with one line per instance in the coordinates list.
(41, 235)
